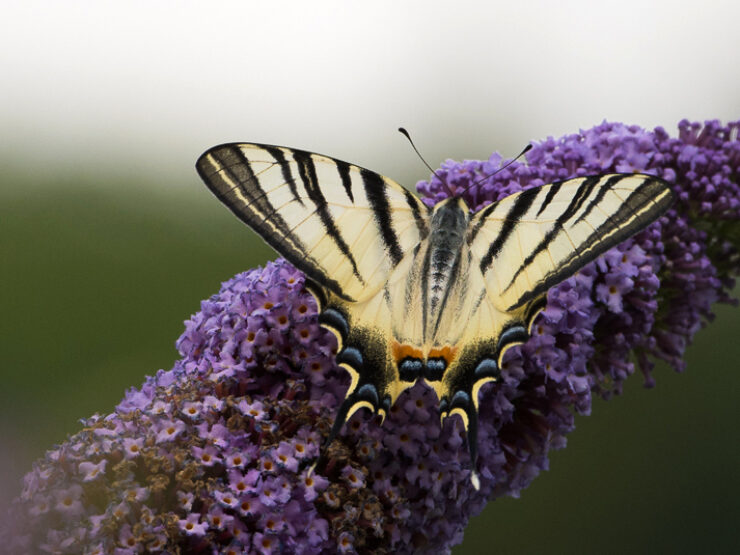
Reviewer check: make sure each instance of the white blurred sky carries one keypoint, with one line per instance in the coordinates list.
(148, 85)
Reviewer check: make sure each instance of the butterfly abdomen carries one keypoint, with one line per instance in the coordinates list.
(441, 263)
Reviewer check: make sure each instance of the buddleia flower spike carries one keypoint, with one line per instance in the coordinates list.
(214, 454)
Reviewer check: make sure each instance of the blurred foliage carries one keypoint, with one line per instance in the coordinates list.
(96, 281)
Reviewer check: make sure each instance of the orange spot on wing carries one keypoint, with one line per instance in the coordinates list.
(447, 352)
(401, 352)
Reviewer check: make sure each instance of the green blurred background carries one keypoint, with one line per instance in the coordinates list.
(108, 240)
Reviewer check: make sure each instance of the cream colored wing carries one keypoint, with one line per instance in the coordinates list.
(345, 227)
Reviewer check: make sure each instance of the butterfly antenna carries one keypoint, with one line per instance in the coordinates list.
(444, 183)
(502, 168)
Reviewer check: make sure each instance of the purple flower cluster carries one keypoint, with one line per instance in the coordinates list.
(214, 455)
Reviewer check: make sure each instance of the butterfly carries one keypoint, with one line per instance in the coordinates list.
(417, 293)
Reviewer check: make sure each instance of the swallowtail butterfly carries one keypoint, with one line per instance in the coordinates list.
(414, 293)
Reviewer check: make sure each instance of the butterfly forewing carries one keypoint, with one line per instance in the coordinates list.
(343, 226)
(530, 241)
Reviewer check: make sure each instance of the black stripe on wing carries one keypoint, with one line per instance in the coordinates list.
(376, 192)
(522, 203)
(419, 218)
(279, 157)
(554, 188)
(343, 169)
